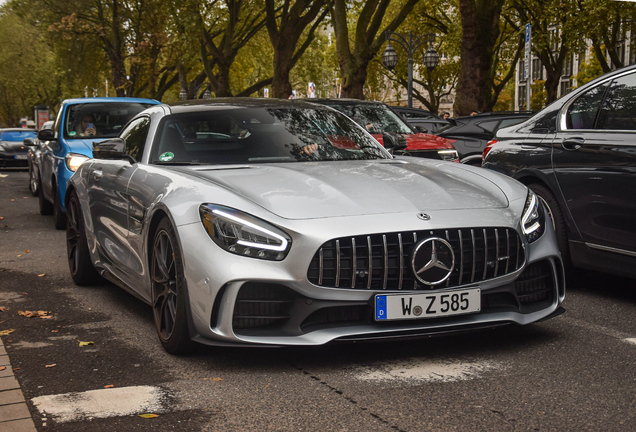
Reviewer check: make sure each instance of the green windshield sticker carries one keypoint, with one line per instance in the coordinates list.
(72, 133)
(166, 157)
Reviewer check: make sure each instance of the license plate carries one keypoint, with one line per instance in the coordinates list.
(20, 156)
(427, 305)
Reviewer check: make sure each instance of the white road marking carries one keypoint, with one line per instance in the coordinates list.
(417, 370)
(113, 402)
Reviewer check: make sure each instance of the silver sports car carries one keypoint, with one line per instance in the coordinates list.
(269, 222)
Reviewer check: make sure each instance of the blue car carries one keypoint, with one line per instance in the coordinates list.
(79, 124)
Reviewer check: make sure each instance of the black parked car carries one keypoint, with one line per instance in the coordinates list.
(470, 135)
(579, 155)
(420, 118)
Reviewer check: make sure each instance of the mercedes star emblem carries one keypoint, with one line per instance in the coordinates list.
(423, 216)
(433, 261)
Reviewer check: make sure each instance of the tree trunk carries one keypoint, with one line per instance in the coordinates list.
(281, 87)
(354, 76)
(480, 24)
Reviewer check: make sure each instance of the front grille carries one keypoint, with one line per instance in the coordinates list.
(535, 284)
(382, 261)
(262, 305)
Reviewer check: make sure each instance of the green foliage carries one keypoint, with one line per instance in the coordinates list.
(588, 70)
(539, 96)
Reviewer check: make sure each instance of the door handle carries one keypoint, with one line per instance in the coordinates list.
(98, 174)
(573, 143)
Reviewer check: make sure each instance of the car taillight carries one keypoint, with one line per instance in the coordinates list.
(487, 149)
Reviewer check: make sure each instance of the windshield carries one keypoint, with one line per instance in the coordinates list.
(17, 136)
(259, 135)
(100, 120)
(376, 118)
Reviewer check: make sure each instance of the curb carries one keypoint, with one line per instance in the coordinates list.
(14, 413)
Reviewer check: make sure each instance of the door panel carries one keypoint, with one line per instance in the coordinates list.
(107, 183)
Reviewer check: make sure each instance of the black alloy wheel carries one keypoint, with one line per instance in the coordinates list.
(168, 291)
(46, 208)
(33, 180)
(79, 260)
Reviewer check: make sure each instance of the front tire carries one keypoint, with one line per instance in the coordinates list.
(79, 260)
(168, 290)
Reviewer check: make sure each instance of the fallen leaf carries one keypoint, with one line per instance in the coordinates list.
(26, 251)
(15, 369)
(85, 343)
(25, 197)
(25, 293)
(1, 217)
(6, 332)
(39, 314)
(43, 274)
(213, 379)
(2, 368)
(51, 365)
(12, 200)
(19, 256)
(2, 309)
(109, 386)
(148, 415)
(54, 331)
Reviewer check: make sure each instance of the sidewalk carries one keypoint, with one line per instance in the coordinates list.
(14, 414)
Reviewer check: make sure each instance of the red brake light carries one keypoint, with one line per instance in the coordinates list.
(488, 147)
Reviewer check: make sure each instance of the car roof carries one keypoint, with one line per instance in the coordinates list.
(110, 99)
(198, 105)
(17, 130)
(346, 101)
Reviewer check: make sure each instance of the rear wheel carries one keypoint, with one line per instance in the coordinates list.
(168, 291)
(59, 216)
(46, 208)
(79, 260)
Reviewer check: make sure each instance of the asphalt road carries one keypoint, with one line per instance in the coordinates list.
(575, 372)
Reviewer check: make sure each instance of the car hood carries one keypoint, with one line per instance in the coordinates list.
(422, 141)
(84, 146)
(14, 146)
(346, 188)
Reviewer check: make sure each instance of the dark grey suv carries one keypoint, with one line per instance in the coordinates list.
(579, 155)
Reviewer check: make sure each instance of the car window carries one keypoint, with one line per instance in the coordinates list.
(376, 118)
(510, 122)
(259, 135)
(582, 112)
(107, 118)
(135, 136)
(619, 107)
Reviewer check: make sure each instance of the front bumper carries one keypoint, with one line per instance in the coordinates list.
(13, 160)
(240, 301)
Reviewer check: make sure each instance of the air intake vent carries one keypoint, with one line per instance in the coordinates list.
(383, 261)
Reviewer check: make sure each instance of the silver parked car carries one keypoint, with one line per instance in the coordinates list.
(269, 222)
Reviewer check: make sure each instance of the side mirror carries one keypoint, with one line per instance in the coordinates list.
(114, 148)
(28, 142)
(393, 141)
(421, 129)
(46, 135)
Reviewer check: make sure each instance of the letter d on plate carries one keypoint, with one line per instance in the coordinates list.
(380, 308)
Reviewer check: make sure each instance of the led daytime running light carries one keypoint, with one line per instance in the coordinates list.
(282, 247)
(531, 213)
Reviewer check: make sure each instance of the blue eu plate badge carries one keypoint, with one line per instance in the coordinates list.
(380, 308)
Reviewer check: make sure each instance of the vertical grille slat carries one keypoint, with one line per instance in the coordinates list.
(343, 263)
(354, 264)
(370, 255)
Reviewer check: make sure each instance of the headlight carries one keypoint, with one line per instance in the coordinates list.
(74, 160)
(448, 155)
(533, 219)
(242, 234)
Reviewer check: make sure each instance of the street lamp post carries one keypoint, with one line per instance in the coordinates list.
(390, 57)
